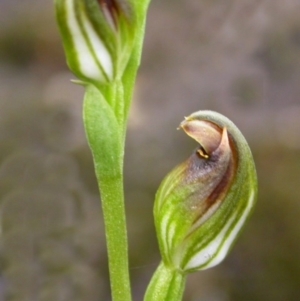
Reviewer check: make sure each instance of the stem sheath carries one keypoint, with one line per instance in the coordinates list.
(166, 285)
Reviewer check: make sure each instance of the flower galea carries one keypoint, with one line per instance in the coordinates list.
(202, 205)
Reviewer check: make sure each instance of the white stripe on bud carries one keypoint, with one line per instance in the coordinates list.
(93, 58)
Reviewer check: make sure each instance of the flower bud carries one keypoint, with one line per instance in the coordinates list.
(98, 37)
(203, 203)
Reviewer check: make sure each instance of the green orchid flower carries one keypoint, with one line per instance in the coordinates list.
(203, 204)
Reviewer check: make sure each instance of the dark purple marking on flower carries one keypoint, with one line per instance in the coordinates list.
(216, 170)
(217, 195)
(113, 9)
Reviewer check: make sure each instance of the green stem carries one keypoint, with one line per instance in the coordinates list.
(166, 285)
(116, 236)
(106, 142)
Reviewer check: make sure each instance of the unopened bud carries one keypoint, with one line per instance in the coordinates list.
(97, 35)
(203, 203)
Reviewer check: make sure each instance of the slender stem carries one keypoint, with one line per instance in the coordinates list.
(116, 236)
(166, 285)
(106, 142)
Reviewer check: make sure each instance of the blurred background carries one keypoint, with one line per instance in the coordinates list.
(240, 58)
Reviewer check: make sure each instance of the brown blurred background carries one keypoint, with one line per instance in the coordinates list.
(240, 58)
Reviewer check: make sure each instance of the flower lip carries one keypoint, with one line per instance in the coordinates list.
(206, 133)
